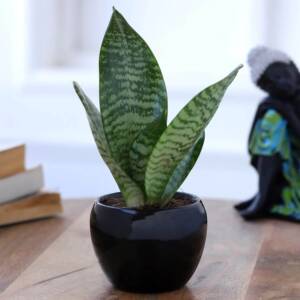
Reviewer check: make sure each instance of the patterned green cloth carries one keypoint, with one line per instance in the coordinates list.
(271, 136)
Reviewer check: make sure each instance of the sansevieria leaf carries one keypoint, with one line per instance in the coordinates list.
(132, 193)
(141, 149)
(180, 136)
(132, 91)
(182, 170)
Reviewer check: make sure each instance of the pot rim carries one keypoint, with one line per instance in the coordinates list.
(193, 197)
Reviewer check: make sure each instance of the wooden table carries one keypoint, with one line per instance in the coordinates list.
(53, 259)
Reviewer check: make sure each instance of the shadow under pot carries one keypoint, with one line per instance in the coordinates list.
(149, 251)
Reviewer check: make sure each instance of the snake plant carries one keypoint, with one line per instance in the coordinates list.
(148, 158)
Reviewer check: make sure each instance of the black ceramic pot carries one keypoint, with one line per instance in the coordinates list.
(149, 251)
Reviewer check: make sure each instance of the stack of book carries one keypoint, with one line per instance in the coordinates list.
(21, 194)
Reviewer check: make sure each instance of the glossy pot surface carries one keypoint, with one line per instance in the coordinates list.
(149, 251)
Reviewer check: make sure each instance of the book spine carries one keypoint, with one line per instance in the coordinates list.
(39, 205)
(12, 161)
(21, 184)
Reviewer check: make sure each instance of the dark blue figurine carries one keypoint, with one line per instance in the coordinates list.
(274, 140)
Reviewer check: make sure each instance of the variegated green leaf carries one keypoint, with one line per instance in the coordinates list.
(132, 193)
(132, 89)
(182, 170)
(182, 133)
(141, 149)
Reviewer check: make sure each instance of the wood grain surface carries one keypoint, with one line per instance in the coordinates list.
(54, 259)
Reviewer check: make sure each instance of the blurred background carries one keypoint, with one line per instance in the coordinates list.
(46, 44)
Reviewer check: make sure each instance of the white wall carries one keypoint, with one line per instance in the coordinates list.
(193, 41)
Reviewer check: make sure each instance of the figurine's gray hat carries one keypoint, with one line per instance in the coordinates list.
(261, 57)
